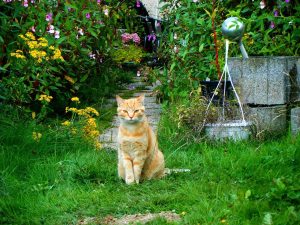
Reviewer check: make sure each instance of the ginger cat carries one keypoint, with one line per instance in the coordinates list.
(138, 155)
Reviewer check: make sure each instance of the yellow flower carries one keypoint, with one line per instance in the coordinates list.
(51, 47)
(23, 37)
(36, 136)
(33, 115)
(75, 99)
(74, 131)
(91, 122)
(57, 54)
(90, 110)
(223, 221)
(32, 44)
(45, 98)
(74, 110)
(18, 55)
(30, 35)
(43, 42)
(66, 123)
(97, 145)
(70, 79)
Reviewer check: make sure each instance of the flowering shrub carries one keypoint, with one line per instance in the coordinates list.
(129, 50)
(83, 124)
(192, 38)
(33, 72)
(63, 44)
(126, 37)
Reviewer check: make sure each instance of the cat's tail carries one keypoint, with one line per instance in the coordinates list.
(171, 171)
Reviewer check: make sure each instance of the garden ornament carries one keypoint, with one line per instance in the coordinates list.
(233, 29)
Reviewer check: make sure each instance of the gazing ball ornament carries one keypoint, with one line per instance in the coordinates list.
(233, 29)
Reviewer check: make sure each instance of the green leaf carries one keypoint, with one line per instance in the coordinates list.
(172, 66)
(93, 33)
(61, 40)
(201, 47)
(267, 219)
(82, 79)
(68, 5)
(247, 194)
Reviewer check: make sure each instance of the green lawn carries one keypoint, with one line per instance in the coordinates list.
(60, 180)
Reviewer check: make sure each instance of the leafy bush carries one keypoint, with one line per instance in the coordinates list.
(83, 32)
(193, 45)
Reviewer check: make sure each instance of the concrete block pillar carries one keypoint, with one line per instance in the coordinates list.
(295, 121)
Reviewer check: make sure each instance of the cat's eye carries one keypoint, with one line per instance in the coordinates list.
(124, 111)
(136, 111)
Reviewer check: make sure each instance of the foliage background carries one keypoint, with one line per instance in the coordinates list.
(272, 28)
(87, 32)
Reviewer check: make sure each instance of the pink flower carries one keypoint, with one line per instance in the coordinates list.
(272, 25)
(135, 37)
(98, 2)
(276, 13)
(126, 37)
(287, 1)
(49, 17)
(151, 37)
(33, 29)
(138, 4)
(88, 15)
(25, 4)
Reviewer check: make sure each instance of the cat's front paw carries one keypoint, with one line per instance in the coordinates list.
(129, 179)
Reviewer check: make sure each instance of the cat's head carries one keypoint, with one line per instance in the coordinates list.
(131, 110)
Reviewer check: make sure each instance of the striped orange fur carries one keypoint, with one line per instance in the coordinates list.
(138, 155)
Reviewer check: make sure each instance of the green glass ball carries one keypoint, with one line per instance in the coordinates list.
(233, 29)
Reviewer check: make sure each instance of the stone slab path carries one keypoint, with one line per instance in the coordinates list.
(153, 110)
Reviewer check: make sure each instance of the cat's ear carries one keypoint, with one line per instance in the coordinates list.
(141, 98)
(119, 99)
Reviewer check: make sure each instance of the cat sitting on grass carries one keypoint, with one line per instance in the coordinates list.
(138, 155)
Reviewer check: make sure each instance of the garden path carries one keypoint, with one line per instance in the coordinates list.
(139, 86)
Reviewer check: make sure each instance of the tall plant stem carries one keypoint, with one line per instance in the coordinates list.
(215, 39)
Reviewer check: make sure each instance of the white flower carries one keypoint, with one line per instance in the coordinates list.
(106, 12)
(56, 34)
(176, 50)
(262, 4)
(92, 56)
(51, 29)
(80, 31)
(175, 36)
